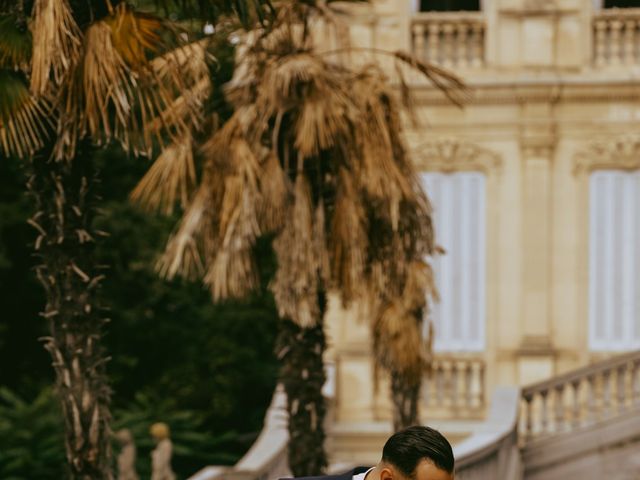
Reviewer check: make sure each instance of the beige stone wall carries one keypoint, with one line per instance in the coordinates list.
(557, 85)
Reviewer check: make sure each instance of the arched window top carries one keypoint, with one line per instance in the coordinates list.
(449, 5)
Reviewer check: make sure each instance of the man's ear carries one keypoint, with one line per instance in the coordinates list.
(387, 474)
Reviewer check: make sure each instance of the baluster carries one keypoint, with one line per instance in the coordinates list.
(528, 428)
(477, 45)
(462, 55)
(434, 42)
(576, 403)
(615, 42)
(468, 384)
(559, 408)
(481, 383)
(606, 393)
(621, 388)
(418, 41)
(454, 383)
(601, 43)
(439, 383)
(629, 41)
(544, 417)
(426, 387)
(448, 48)
(591, 398)
(635, 382)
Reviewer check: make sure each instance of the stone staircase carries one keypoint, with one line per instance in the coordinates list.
(584, 424)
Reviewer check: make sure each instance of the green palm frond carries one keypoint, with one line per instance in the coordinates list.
(15, 44)
(24, 119)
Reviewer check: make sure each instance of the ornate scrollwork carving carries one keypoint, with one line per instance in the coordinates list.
(622, 153)
(451, 155)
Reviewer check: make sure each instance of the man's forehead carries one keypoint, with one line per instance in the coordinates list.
(427, 470)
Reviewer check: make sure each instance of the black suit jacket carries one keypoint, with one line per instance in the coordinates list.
(343, 476)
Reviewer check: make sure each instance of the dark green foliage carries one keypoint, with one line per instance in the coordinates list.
(31, 445)
(208, 371)
(194, 445)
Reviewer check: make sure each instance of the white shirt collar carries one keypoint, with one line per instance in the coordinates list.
(361, 476)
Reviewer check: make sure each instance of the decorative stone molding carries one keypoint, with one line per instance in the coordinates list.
(622, 153)
(451, 155)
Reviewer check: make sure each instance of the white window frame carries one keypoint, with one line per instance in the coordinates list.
(609, 257)
(445, 340)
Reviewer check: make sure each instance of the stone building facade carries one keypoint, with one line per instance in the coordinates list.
(536, 189)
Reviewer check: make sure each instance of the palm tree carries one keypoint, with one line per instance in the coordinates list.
(313, 155)
(75, 75)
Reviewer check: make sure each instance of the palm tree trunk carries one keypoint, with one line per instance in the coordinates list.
(64, 194)
(405, 393)
(300, 351)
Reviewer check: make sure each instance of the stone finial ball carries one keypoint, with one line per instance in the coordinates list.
(159, 431)
(124, 436)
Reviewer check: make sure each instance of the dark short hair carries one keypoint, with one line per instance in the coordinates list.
(407, 448)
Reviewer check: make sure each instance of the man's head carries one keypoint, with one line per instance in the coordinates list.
(417, 453)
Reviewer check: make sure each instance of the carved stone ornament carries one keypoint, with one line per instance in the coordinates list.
(451, 155)
(127, 456)
(622, 153)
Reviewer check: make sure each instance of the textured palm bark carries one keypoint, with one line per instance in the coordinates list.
(64, 193)
(405, 394)
(300, 351)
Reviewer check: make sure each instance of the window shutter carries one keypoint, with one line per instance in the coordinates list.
(459, 217)
(614, 260)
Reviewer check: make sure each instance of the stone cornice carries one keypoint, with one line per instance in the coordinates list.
(622, 153)
(542, 92)
(453, 155)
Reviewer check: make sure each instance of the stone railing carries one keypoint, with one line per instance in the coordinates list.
(616, 37)
(455, 383)
(267, 458)
(449, 39)
(492, 451)
(581, 397)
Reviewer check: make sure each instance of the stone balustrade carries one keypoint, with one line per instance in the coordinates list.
(449, 39)
(456, 382)
(616, 37)
(581, 397)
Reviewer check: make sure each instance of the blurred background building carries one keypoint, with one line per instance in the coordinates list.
(535, 185)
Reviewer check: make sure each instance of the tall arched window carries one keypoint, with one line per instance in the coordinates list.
(449, 5)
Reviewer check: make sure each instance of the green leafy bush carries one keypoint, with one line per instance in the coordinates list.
(31, 437)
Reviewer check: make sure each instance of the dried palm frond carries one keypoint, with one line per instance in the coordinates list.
(348, 241)
(56, 43)
(398, 342)
(448, 83)
(321, 122)
(182, 255)
(24, 119)
(419, 286)
(274, 189)
(280, 85)
(295, 286)
(172, 177)
(320, 243)
(135, 34)
(108, 85)
(232, 273)
(15, 45)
